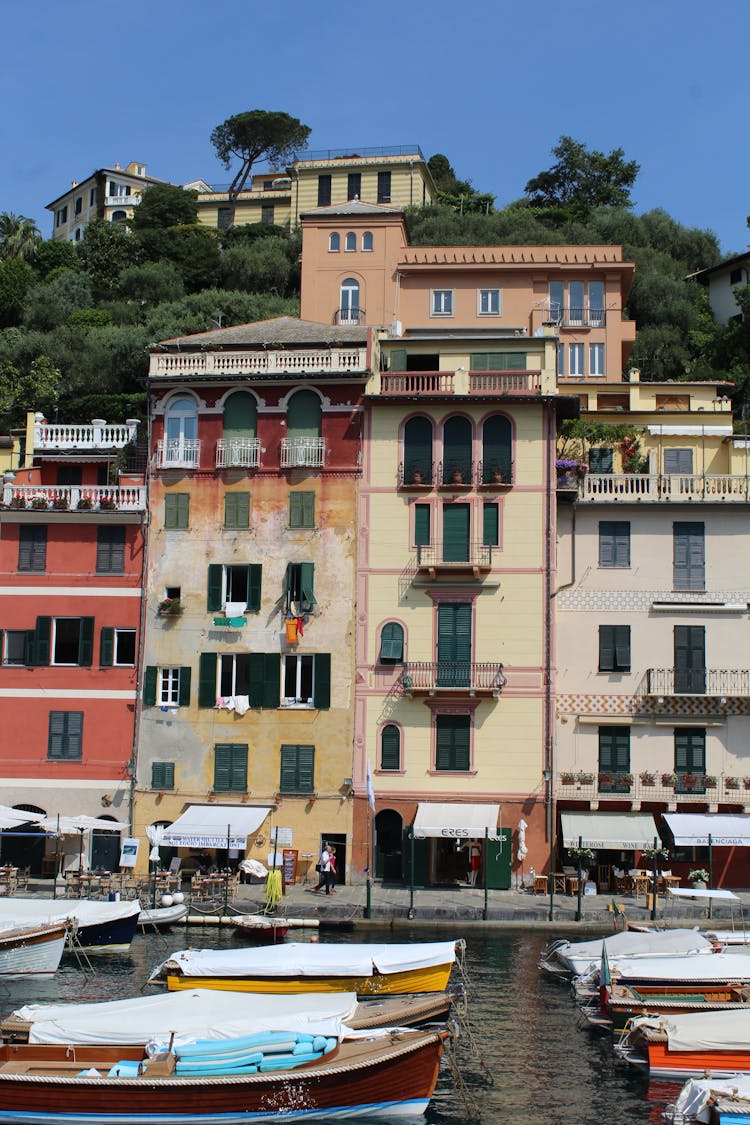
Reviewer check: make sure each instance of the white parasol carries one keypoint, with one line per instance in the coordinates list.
(155, 833)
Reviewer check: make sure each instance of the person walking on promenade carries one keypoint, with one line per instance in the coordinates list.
(331, 870)
(324, 867)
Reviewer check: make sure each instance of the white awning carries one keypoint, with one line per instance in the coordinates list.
(602, 831)
(465, 822)
(14, 818)
(69, 825)
(692, 830)
(214, 826)
(699, 892)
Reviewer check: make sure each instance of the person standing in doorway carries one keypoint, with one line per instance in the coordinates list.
(324, 866)
(331, 870)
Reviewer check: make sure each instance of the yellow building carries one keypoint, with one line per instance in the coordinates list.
(396, 175)
(110, 194)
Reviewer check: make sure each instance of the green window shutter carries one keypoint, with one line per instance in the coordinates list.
(162, 775)
(183, 509)
(304, 413)
(183, 697)
(614, 750)
(306, 768)
(497, 446)
(288, 776)
(690, 659)
(453, 742)
(32, 547)
(614, 543)
(306, 583)
(110, 550)
(322, 681)
(454, 632)
(230, 767)
(254, 581)
(390, 747)
(86, 642)
(215, 582)
(56, 736)
(498, 361)
(256, 677)
(206, 679)
(107, 647)
(622, 647)
(176, 510)
(302, 509)
(149, 686)
(240, 416)
(689, 556)
(271, 679)
(456, 524)
(42, 640)
(418, 449)
(422, 525)
(606, 648)
(397, 360)
(690, 750)
(480, 361)
(297, 769)
(222, 767)
(237, 509)
(678, 461)
(600, 459)
(490, 525)
(238, 776)
(391, 643)
(457, 449)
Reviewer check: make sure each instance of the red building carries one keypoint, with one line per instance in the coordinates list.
(72, 527)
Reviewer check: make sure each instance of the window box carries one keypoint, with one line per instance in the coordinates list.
(17, 502)
(669, 780)
(606, 779)
(568, 779)
(85, 504)
(746, 782)
(107, 504)
(647, 778)
(40, 504)
(688, 780)
(731, 782)
(584, 778)
(709, 781)
(61, 503)
(170, 607)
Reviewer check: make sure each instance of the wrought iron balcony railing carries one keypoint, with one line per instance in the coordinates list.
(350, 316)
(718, 683)
(297, 453)
(452, 677)
(454, 555)
(238, 453)
(178, 453)
(663, 786)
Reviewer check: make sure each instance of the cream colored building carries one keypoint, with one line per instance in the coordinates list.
(652, 641)
(110, 194)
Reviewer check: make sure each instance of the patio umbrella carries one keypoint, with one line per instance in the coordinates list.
(13, 818)
(522, 851)
(155, 833)
(69, 825)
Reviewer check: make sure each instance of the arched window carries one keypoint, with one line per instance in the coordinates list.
(390, 747)
(391, 643)
(351, 241)
(349, 303)
(418, 451)
(457, 451)
(367, 240)
(240, 415)
(181, 423)
(119, 216)
(497, 464)
(334, 242)
(304, 415)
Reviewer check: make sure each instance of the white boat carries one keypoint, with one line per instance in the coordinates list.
(578, 958)
(98, 926)
(161, 917)
(709, 1100)
(31, 950)
(726, 967)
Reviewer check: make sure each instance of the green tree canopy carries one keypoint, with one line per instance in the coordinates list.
(581, 180)
(257, 133)
(49, 306)
(152, 283)
(54, 255)
(457, 194)
(34, 389)
(19, 236)
(164, 205)
(105, 251)
(16, 279)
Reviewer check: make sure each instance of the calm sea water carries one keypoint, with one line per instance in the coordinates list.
(548, 1069)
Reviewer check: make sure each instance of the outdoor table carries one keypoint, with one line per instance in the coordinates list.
(540, 884)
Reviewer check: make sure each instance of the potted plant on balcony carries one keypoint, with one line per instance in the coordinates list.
(731, 783)
(170, 607)
(625, 780)
(567, 778)
(746, 782)
(85, 504)
(606, 780)
(107, 504)
(669, 780)
(688, 780)
(647, 778)
(570, 472)
(17, 502)
(40, 503)
(709, 781)
(698, 878)
(583, 777)
(61, 503)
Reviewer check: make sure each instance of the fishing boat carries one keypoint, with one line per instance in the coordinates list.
(712, 1101)
(391, 1073)
(97, 925)
(161, 917)
(575, 958)
(212, 1015)
(368, 970)
(715, 1044)
(32, 950)
(626, 1002)
(259, 930)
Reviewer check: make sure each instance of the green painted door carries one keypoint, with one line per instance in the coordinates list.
(456, 522)
(498, 854)
(421, 874)
(454, 644)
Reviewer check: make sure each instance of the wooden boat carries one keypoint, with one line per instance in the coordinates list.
(686, 974)
(575, 958)
(715, 1044)
(392, 1075)
(259, 930)
(712, 1101)
(626, 1002)
(32, 950)
(161, 917)
(368, 970)
(97, 926)
(206, 1012)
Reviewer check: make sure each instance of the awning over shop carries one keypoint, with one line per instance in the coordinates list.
(465, 822)
(601, 831)
(69, 825)
(14, 818)
(214, 826)
(693, 829)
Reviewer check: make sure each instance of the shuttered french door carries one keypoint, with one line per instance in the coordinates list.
(690, 659)
(454, 644)
(456, 524)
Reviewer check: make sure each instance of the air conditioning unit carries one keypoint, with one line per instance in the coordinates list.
(397, 328)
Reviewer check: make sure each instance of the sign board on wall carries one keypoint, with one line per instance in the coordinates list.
(282, 837)
(129, 852)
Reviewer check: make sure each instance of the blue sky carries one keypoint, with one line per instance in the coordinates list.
(492, 85)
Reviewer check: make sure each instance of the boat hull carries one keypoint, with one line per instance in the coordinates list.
(431, 979)
(396, 1078)
(114, 936)
(663, 1063)
(33, 952)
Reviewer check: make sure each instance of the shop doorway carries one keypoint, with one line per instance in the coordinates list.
(389, 832)
(105, 849)
(338, 840)
(24, 846)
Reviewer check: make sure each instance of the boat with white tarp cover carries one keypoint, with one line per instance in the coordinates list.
(97, 925)
(695, 1043)
(574, 958)
(712, 1101)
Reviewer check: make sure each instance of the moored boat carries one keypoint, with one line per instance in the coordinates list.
(98, 926)
(392, 1074)
(625, 1002)
(161, 917)
(297, 967)
(715, 1044)
(259, 930)
(712, 1101)
(32, 950)
(574, 958)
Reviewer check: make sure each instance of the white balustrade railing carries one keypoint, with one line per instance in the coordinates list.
(278, 362)
(97, 435)
(61, 498)
(302, 453)
(238, 453)
(121, 200)
(665, 486)
(178, 453)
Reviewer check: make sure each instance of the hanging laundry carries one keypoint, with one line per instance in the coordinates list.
(242, 704)
(300, 626)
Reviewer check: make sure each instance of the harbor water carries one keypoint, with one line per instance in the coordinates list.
(548, 1068)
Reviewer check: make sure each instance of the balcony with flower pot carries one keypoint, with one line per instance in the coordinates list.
(74, 498)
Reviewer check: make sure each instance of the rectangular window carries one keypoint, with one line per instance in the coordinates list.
(234, 674)
(234, 589)
(169, 687)
(441, 302)
(32, 547)
(162, 775)
(556, 301)
(596, 359)
(575, 355)
(690, 759)
(14, 651)
(299, 587)
(230, 767)
(614, 543)
(384, 187)
(614, 648)
(297, 769)
(224, 218)
(266, 213)
(596, 304)
(124, 652)
(576, 311)
(488, 302)
(689, 556)
(453, 742)
(110, 550)
(490, 525)
(560, 359)
(73, 641)
(302, 509)
(678, 461)
(354, 185)
(79, 204)
(324, 189)
(614, 759)
(63, 214)
(65, 738)
(735, 277)
(298, 673)
(92, 196)
(601, 459)
(237, 510)
(422, 536)
(176, 511)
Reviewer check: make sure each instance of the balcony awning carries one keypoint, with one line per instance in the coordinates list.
(464, 822)
(692, 830)
(214, 826)
(601, 831)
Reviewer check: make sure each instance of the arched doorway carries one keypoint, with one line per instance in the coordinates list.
(389, 832)
(23, 846)
(105, 848)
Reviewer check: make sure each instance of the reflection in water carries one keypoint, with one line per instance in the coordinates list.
(548, 1068)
